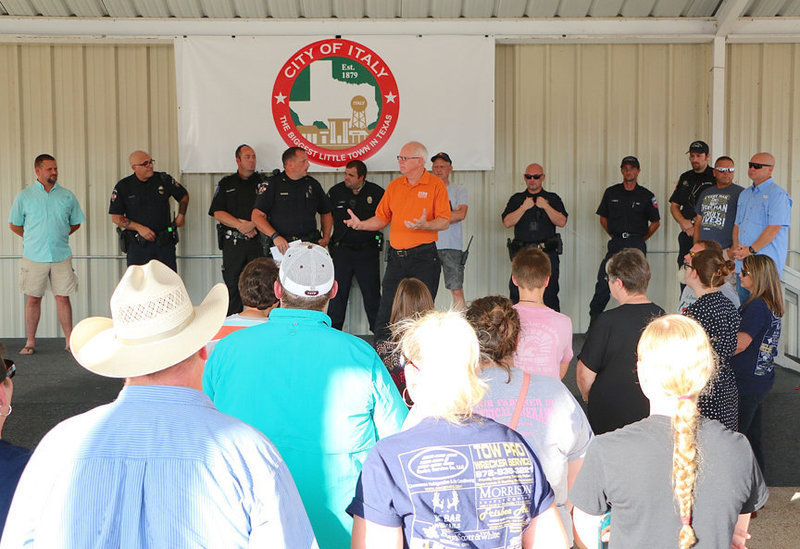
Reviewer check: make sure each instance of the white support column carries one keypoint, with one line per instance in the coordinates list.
(718, 144)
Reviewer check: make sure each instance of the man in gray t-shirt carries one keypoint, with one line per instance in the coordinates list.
(716, 206)
(451, 240)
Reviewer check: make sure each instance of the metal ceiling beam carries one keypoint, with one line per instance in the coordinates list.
(525, 29)
(517, 31)
(728, 15)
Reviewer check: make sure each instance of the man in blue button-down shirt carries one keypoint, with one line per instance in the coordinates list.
(44, 215)
(763, 216)
(159, 466)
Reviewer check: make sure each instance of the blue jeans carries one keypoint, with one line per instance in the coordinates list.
(750, 422)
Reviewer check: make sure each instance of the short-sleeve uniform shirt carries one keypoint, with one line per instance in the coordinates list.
(690, 186)
(236, 195)
(534, 225)
(628, 211)
(291, 205)
(146, 202)
(362, 204)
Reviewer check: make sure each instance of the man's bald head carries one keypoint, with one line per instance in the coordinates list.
(760, 167)
(142, 165)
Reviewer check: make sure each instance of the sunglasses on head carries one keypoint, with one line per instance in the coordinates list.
(757, 166)
(533, 175)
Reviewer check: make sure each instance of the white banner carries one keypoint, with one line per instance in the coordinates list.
(339, 98)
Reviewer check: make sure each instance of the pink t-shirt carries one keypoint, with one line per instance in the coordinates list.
(545, 341)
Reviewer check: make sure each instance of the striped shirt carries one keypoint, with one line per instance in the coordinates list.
(159, 467)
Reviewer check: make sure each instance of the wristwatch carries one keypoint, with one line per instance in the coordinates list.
(275, 235)
(752, 251)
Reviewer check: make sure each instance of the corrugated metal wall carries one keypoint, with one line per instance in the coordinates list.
(577, 109)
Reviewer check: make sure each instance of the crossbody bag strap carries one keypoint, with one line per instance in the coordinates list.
(526, 379)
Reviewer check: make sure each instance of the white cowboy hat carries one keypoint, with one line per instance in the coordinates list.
(153, 324)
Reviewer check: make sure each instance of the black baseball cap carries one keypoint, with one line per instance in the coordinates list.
(443, 155)
(698, 147)
(630, 160)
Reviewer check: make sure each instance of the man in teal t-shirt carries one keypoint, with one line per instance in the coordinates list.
(44, 214)
(322, 396)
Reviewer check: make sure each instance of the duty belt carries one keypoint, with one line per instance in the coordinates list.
(628, 235)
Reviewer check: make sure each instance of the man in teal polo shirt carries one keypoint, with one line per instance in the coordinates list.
(322, 396)
(44, 215)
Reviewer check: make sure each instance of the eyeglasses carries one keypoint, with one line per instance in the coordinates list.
(724, 170)
(407, 158)
(688, 266)
(757, 166)
(533, 175)
(745, 272)
(11, 368)
(146, 163)
(405, 361)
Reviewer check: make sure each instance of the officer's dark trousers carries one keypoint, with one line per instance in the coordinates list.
(364, 264)
(550, 292)
(601, 292)
(236, 253)
(141, 255)
(685, 243)
(421, 262)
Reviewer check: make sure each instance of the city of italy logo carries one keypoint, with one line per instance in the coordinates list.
(337, 99)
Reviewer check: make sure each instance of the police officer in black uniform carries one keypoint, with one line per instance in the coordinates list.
(684, 198)
(287, 203)
(629, 214)
(355, 252)
(140, 208)
(238, 237)
(535, 213)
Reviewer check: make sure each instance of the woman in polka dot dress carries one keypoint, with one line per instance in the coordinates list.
(720, 319)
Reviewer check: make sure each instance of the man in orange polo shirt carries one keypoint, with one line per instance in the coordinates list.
(417, 206)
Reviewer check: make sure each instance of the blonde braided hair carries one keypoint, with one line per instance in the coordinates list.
(676, 358)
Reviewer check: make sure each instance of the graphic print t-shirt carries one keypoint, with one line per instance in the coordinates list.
(476, 484)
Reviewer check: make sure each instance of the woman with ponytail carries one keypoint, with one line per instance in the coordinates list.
(674, 479)
(706, 273)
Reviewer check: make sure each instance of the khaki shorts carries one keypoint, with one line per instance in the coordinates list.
(34, 276)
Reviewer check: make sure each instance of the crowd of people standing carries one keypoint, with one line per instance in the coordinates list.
(460, 430)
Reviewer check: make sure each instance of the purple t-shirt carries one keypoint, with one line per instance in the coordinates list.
(476, 484)
(545, 341)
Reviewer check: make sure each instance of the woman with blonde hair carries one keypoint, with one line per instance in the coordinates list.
(675, 478)
(757, 344)
(705, 275)
(412, 299)
(454, 478)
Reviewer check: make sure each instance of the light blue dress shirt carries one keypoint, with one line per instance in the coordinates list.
(159, 467)
(758, 207)
(46, 218)
(322, 396)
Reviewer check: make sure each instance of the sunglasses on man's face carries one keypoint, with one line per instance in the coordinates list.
(533, 175)
(725, 170)
(757, 166)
